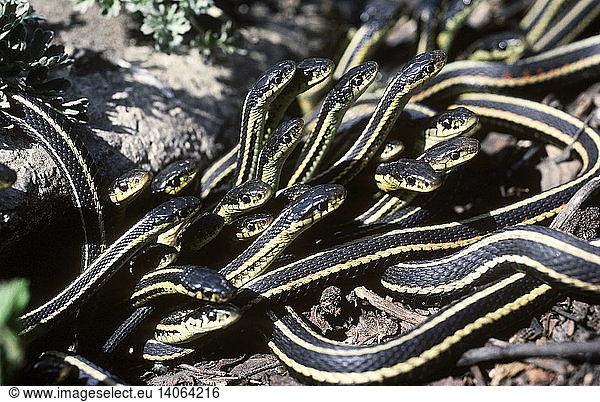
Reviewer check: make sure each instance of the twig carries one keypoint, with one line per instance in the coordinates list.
(202, 371)
(574, 203)
(384, 305)
(565, 314)
(267, 366)
(568, 350)
(476, 371)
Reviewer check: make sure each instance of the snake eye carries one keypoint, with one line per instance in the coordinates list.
(286, 139)
(322, 207)
(176, 181)
(122, 186)
(245, 199)
(455, 155)
(212, 316)
(356, 81)
(411, 181)
(277, 80)
(251, 227)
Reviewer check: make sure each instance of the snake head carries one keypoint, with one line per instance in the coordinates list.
(423, 67)
(316, 203)
(272, 81)
(208, 284)
(352, 84)
(314, 70)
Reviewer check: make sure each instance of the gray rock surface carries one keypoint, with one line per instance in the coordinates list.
(147, 109)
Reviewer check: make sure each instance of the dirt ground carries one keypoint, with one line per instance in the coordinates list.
(152, 108)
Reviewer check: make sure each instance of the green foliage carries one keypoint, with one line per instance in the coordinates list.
(170, 21)
(14, 296)
(223, 40)
(29, 63)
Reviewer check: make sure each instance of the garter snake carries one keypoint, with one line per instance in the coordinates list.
(402, 86)
(407, 174)
(157, 351)
(345, 92)
(417, 355)
(506, 46)
(547, 14)
(533, 250)
(254, 113)
(378, 18)
(410, 356)
(287, 195)
(128, 186)
(561, 261)
(62, 142)
(445, 126)
(493, 305)
(391, 210)
(437, 128)
(201, 231)
(533, 15)
(125, 189)
(427, 19)
(177, 178)
(190, 281)
(391, 150)
(167, 217)
(151, 256)
(358, 115)
(250, 226)
(245, 197)
(280, 144)
(446, 155)
(422, 175)
(298, 216)
(511, 114)
(571, 23)
(309, 72)
(575, 62)
(454, 18)
(188, 324)
(58, 368)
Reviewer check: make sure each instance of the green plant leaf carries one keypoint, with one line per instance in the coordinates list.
(29, 62)
(14, 296)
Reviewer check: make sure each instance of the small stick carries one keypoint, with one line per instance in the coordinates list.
(267, 366)
(384, 305)
(476, 371)
(520, 351)
(202, 371)
(574, 203)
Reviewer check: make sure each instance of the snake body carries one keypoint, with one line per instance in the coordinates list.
(487, 248)
(62, 142)
(404, 84)
(166, 217)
